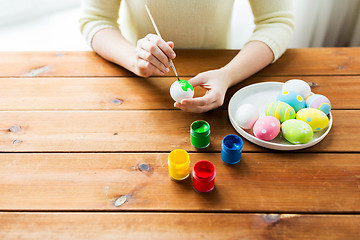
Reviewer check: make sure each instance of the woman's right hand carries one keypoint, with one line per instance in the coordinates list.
(153, 56)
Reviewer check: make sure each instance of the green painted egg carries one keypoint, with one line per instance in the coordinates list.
(280, 110)
(314, 117)
(297, 131)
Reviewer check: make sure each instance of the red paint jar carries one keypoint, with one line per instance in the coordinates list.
(204, 176)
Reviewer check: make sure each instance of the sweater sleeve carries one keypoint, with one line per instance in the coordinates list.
(274, 24)
(96, 15)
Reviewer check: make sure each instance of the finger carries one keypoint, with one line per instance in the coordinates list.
(197, 80)
(200, 104)
(148, 68)
(199, 109)
(164, 47)
(171, 44)
(155, 50)
(194, 110)
(145, 55)
(151, 47)
(207, 99)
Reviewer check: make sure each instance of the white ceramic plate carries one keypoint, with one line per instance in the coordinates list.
(260, 95)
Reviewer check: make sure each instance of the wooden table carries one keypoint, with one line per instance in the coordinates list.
(84, 147)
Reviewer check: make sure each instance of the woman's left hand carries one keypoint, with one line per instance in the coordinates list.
(216, 82)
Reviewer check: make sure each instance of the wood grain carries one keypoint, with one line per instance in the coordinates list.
(308, 61)
(316, 61)
(84, 146)
(113, 93)
(91, 226)
(140, 131)
(51, 64)
(272, 182)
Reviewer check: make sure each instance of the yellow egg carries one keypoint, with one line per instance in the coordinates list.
(314, 117)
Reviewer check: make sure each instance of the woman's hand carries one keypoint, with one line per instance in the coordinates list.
(216, 82)
(153, 56)
(254, 56)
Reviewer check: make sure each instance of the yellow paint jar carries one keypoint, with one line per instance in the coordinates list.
(179, 164)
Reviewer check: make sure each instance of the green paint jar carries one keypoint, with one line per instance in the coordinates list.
(200, 134)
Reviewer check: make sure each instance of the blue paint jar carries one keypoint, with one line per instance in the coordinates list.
(231, 149)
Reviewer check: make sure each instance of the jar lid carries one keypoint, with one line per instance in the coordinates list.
(200, 128)
(179, 159)
(232, 143)
(204, 170)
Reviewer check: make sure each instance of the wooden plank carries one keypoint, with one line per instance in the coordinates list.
(33, 64)
(86, 93)
(176, 226)
(156, 130)
(306, 61)
(135, 93)
(275, 182)
(316, 61)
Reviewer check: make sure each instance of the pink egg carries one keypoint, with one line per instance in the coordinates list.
(266, 128)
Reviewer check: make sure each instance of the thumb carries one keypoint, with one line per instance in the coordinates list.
(197, 80)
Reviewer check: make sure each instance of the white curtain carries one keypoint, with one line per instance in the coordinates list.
(318, 23)
(326, 23)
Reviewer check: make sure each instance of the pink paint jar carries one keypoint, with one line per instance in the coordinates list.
(203, 176)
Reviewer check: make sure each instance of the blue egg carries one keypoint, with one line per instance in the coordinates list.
(292, 98)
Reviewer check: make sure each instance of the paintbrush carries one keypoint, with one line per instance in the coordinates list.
(158, 33)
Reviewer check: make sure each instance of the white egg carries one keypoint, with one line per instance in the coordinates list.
(297, 85)
(181, 89)
(246, 116)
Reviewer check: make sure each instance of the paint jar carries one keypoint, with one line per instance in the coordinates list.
(204, 176)
(200, 134)
(231, 149)
(179, 164)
